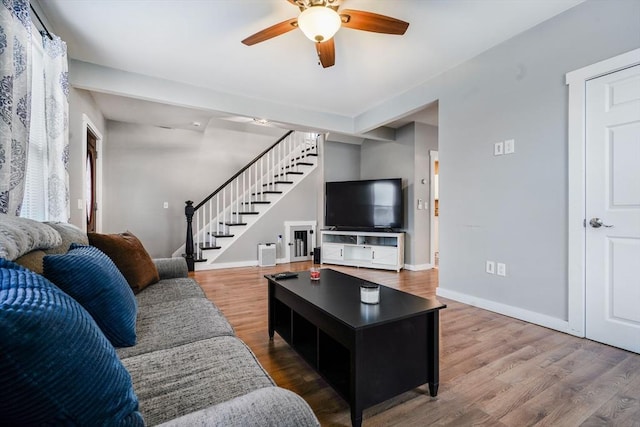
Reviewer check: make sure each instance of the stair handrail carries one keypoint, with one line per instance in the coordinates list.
(247, 166)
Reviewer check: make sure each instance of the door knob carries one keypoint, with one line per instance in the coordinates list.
(597, 223)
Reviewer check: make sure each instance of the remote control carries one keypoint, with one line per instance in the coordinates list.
(285, 275)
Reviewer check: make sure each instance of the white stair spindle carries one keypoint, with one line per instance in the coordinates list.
(269, 177)
(197, 249)
(279, 158)
(237, 199)
(251, 198)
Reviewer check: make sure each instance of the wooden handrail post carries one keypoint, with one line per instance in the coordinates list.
(188, 212)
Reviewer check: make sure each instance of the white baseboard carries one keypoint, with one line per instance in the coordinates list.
(507, 310)
(217, 266)
(418, 267)
(234, 264)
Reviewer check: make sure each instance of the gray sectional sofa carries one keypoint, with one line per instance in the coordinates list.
(188, 367)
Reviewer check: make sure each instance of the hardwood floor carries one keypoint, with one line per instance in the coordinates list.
(494, 370)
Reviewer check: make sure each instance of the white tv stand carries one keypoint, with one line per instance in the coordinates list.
(363, 249)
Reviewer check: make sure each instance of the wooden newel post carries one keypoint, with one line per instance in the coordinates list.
(188, 212)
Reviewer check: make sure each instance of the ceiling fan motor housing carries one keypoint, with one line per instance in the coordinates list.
(305, 4)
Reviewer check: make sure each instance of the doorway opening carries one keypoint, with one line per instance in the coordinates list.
(92, 181)
(435, 197)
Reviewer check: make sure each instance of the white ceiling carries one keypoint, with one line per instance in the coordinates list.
(197, 42)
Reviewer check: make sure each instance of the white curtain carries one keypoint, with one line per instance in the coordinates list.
(56, 109)
(15, 102)
(46, 195)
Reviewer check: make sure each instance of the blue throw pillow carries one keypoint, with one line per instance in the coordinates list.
(92, 279)
(56, 366)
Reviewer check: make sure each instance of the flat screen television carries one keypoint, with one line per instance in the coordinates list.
(367, 204)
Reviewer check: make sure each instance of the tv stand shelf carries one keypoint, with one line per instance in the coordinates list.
(363, 249)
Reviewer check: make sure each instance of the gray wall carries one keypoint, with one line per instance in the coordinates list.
(146, 166)
(382, 159)
(80, 102)
(341, 161)
(513, 209)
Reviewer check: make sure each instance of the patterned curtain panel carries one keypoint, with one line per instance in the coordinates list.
(15, 102)
(56, 110)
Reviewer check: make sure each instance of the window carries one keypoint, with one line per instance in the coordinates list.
(35, 201)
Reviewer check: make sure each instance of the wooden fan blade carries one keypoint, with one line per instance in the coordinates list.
(367, 21)
(326, 53)
(271, 32)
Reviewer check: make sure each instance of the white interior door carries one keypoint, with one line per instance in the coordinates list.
(613, 209)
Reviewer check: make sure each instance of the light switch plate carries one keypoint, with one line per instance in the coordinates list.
(490, 267)
(502, 269)
(166, 205)
(498, 148)
(510, 146)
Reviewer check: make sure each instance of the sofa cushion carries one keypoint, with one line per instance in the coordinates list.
(21, 235)
(171, 268)
(211, 371)
(91, 278)
(174, 323)
(130, 257)
(266, 407)
(56, 366)
(169, 290)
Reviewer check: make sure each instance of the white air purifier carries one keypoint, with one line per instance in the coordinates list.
(267, 255)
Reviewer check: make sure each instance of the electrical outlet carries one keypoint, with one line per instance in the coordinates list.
(490, 267)
(502, 269)
(510, 146)
(166, 205)
(498, 148)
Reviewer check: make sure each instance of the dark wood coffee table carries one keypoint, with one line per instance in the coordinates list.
(367, 353)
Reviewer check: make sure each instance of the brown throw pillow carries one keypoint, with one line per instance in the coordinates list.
(128, 254)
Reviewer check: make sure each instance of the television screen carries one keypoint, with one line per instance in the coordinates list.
(364, 204)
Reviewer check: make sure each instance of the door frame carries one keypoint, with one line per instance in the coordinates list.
(576, 80)
(87, 124)
(433, 158)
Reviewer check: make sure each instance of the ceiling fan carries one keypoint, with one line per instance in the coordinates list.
(319, 20)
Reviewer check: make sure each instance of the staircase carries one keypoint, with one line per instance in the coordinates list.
(214, 224)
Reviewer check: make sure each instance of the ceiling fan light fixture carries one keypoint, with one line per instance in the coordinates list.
(319, 23)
